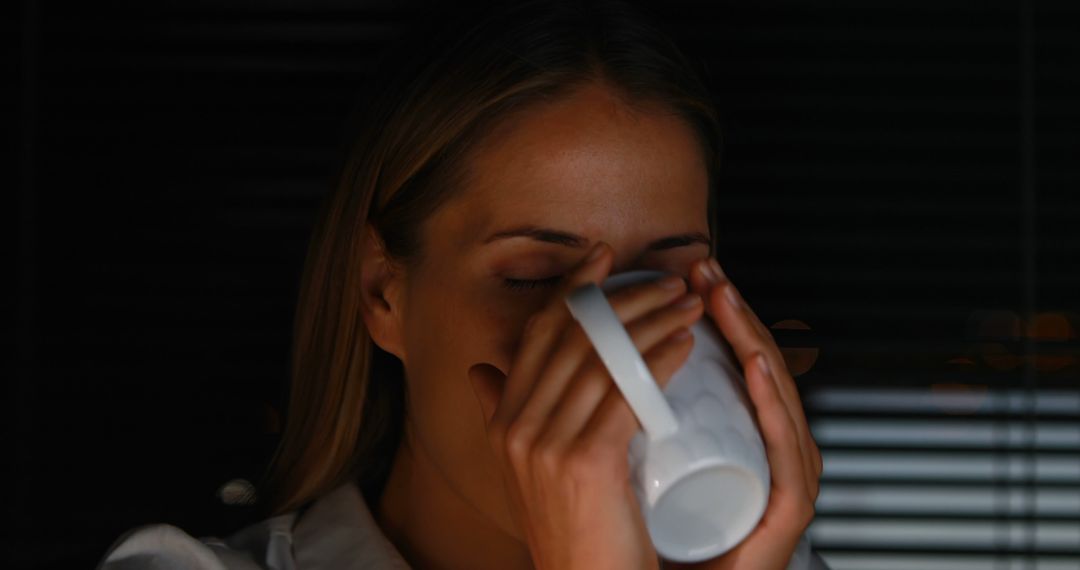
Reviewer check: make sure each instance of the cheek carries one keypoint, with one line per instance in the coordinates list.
(445, 418)
(448, 333)
(506, 321)
(444, 339)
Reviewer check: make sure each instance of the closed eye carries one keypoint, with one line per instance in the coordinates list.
(528, 284)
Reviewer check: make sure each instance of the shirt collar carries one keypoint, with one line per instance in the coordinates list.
(338, 532)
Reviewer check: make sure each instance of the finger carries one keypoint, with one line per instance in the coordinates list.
(785, 384)
(541, 333)
(747, 336)
(651, 329)
(781, 441)
(574, 347)
(737, 322)
(633, 301)
(710, 276)
(614, 423)
(808, 447)
(705, 275)
(593, 381)
(732, 318)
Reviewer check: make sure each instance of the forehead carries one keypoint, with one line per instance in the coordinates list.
(585, 163)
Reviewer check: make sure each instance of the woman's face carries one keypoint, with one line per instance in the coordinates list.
(544, 187)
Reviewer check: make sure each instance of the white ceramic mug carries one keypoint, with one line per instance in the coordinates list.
(699, 465)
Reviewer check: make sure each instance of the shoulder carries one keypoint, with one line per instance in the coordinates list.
(334, 532)
(159, 547)
(261, 546)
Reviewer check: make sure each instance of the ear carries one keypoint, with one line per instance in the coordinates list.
(381, 284)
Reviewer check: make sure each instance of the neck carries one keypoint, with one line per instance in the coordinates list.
(432, 525)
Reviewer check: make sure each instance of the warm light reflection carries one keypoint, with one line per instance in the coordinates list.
(1003, 326)
(1052, 327)
(1002, 336)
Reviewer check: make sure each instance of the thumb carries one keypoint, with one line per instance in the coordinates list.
(487, 384)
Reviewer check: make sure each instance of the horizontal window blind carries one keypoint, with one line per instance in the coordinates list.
(945, 479)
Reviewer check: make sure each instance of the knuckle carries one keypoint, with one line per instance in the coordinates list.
(765, 337)
(518, 441)
(547, 456)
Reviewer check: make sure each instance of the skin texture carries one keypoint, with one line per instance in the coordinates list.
(516, 440)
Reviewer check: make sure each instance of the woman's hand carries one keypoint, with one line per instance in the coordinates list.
(561, 429)
(794, 459)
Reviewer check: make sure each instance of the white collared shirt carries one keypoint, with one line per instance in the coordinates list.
(336, 533)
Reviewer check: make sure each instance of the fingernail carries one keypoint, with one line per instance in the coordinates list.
(732, 296)
(595, 253)
(763, 365)
(715, 265)
(690, 301)
(708, 273)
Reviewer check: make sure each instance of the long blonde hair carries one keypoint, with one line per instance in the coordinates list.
(346, 404)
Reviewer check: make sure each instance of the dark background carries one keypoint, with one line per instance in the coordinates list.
(894, 170)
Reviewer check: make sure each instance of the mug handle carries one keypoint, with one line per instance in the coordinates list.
(590, 307)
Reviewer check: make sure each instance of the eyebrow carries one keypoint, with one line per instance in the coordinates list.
(572, 240)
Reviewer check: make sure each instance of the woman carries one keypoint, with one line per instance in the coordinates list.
(445, 410)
